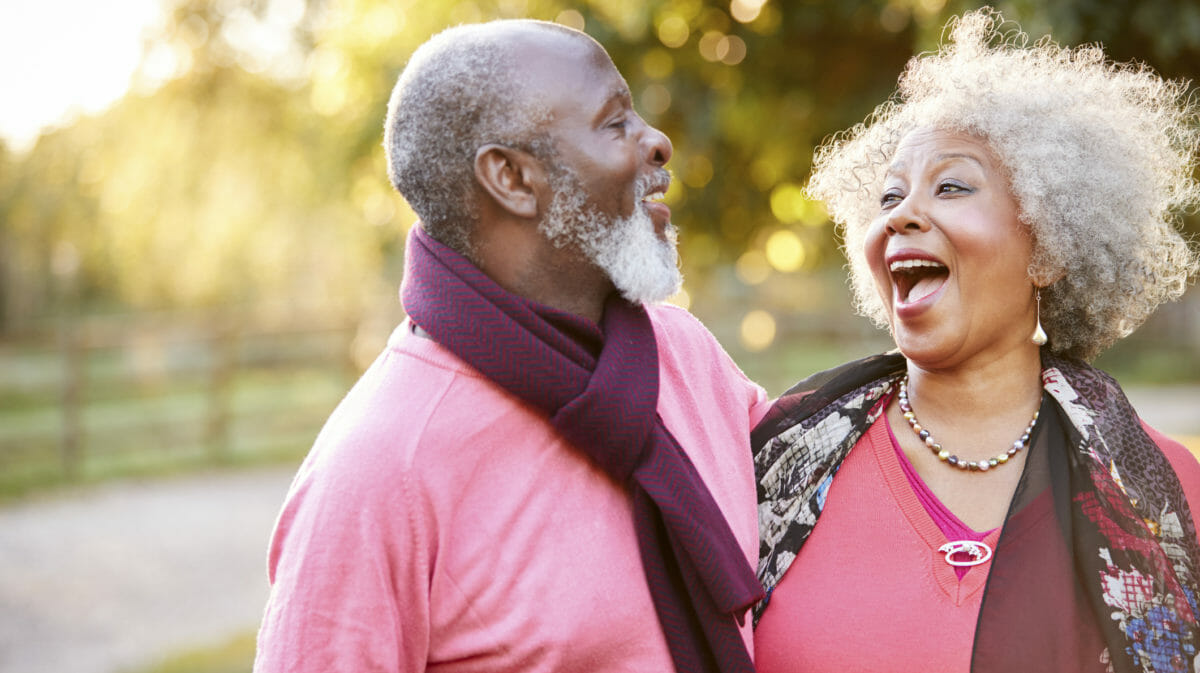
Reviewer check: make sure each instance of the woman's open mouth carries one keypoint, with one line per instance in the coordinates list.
(917, 279)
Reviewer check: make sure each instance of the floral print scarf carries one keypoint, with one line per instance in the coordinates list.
(1125, 529)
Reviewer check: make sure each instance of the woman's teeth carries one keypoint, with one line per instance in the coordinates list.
(914, 264)
(916, 279)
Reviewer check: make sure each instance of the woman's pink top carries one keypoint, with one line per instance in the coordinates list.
(947, 522)
(870, 592)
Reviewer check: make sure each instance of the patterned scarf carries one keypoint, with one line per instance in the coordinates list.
(1123, 518)
(603, 400)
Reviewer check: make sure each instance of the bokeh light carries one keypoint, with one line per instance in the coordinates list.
(709, 43)
(572, 18)
(655, 99)
(681, 299)
(731, 49)
(752, 267)
(658, 63)
(789, 204)
(745, 11)
(757, 330)
(673, 32)
(785, 251)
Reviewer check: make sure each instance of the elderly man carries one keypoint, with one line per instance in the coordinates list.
(545, 470)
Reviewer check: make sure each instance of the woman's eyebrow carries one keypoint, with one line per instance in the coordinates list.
(942, 158)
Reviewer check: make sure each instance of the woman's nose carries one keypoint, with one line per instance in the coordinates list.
(907, 217)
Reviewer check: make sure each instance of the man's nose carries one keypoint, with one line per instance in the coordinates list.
(657, 146)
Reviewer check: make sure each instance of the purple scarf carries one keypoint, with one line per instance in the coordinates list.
(603, 400)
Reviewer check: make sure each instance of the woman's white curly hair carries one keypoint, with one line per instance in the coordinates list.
(1099, 156)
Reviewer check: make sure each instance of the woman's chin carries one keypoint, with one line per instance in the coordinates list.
(931, 349)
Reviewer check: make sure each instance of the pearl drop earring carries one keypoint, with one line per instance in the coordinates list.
(1039, 335)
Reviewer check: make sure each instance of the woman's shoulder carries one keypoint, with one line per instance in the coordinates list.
(1179, 455)
(1183, 461)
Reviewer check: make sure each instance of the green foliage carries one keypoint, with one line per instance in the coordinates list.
(243, 179)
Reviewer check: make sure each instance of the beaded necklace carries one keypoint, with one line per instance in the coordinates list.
(953, 460)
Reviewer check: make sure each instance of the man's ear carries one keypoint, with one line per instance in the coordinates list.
(511, 177)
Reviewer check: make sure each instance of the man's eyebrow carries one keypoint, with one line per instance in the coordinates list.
(618, 95)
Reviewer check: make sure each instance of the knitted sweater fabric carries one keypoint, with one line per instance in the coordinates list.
(441, 524)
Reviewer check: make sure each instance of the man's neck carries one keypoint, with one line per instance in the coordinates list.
(570, 295)
(554, 277)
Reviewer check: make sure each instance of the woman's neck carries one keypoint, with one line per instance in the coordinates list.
(982, 390)
(974, 414)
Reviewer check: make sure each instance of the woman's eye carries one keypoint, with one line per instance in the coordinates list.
(952, 187)
(890, 198)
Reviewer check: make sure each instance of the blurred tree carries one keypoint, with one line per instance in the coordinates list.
(221, 185)
(247, 166)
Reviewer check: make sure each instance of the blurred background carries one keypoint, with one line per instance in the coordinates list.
(200, 252)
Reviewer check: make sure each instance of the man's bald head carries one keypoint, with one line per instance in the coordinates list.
(461, 90)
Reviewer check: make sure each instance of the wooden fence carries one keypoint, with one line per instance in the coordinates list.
(126, 394)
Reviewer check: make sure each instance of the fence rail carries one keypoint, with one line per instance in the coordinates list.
(125, 394)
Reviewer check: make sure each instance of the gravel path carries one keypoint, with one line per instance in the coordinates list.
(118, 576)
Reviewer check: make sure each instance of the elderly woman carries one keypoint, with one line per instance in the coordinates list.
(983, 499)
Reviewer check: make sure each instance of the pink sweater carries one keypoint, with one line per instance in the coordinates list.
(895, 605)
(440, 524)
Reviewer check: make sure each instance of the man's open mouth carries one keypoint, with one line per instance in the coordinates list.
(916, 279)
(655, 196)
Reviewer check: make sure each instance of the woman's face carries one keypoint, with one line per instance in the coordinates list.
(948, 254)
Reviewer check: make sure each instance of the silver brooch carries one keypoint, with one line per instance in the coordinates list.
(976, 552)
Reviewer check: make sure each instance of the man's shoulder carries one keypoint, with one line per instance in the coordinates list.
(674, 323)
(414, 393)
(690, 357)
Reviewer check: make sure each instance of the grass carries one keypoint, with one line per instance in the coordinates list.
(234, 656)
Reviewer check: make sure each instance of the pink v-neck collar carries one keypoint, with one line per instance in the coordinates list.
(923, 524)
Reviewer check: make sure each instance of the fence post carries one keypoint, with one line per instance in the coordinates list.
(351, 324)
(73, 382)
(224, 344)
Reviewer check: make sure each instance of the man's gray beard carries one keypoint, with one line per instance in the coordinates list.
(643, 267)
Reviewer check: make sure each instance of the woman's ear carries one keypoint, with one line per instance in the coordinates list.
(1043, 278)
(511, 177)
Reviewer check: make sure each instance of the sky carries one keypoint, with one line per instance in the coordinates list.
(63, 58)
